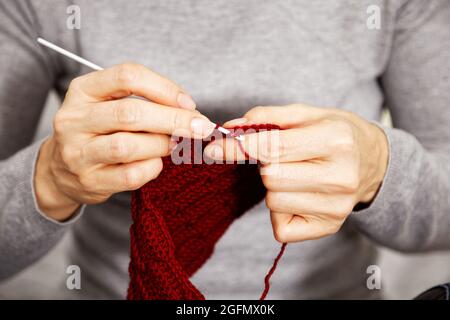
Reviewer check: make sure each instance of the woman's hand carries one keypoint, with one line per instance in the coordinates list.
(316, 170)
(105, 141)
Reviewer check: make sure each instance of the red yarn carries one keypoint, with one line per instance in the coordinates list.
(271, 271)
(179, 217)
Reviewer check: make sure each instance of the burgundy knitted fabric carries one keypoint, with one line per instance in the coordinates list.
(179, 217)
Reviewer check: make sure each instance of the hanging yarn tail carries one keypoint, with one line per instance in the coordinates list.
(271, 271)
(283, 246)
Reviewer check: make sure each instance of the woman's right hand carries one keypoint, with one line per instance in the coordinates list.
(105, 141)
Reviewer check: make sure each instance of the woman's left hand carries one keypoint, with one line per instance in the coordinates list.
(323, 163)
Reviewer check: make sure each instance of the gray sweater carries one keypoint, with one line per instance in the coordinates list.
(232, 55)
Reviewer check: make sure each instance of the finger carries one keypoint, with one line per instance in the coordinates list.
(324, 177)
(285, 116)
(332, 205)
(132, 79)
(304, 177)
(228, 149)
(125, 147)
(311, 142)
(232, 149)
(294, 228)
(129, 176)
(138, 115)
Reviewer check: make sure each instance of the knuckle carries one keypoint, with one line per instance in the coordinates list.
(280, 234)
(266, 152)
(177, 121)
(126, 112)
(344, 208)
(269, 181)
(343, 138)
(163, 144)
(75, 89)
(272, 201)
(343, 181)
(85, 150)
(270, 147)
(256, 113)
(157, 168)
(92, 114)
(281, 148)
(168, 89)
(264, 156)
(332, 228)
(74, 85)
(65, 120)
(127, 72)
(350, 183)
(118, 148)
(275, 171)
(86, 182)
(61, 122)
(67, 156)
(97, 198)
(131, 178)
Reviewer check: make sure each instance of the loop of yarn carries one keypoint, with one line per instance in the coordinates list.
(179, 217)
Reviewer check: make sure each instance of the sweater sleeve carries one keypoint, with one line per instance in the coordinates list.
(26, 77)
(412, 209)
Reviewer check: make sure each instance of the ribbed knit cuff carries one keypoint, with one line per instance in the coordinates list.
(27, 189)
(26, 234)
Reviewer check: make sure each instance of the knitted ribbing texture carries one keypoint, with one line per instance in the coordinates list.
(179, 217)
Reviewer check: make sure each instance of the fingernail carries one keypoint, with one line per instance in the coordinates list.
(236, 122)
(185, 101)
(202, 127)
(214, 152)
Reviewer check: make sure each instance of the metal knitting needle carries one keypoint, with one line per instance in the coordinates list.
(68, 54)
(96, 67)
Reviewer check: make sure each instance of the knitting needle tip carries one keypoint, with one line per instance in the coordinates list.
(227, 132)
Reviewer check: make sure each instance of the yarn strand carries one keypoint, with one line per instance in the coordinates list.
(271, 271)
(283, 246)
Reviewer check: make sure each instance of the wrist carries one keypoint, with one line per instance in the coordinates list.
(379, 153)
(50, 199)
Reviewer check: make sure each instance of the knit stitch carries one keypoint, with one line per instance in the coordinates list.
(179, 217)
